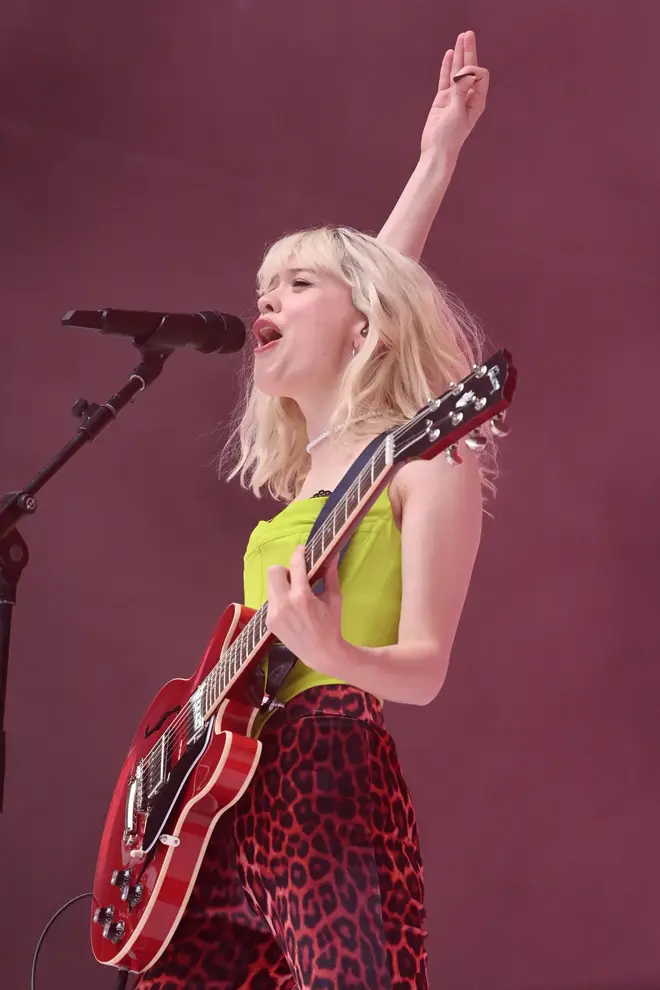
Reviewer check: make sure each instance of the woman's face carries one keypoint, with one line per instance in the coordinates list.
(313, 312)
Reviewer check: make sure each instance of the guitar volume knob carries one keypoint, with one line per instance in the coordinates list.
(132, 895)
(103, 915)
(120, 878)
(114, 932)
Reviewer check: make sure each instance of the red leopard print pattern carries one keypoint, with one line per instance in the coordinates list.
(314, 880)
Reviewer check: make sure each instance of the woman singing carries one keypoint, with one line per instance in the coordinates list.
(313, 881)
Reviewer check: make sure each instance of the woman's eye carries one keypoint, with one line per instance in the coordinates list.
(300, 281)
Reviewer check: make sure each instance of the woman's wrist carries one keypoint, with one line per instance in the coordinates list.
(438, 163)
(408, 225)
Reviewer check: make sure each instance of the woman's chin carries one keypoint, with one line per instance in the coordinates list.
(274, 385)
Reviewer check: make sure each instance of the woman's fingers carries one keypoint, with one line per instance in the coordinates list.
(278, 580)
(470, 76)
(298, 572)
(445, 70)
(458, 61)
(470, 48)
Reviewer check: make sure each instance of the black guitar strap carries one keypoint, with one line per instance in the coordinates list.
(281, 660)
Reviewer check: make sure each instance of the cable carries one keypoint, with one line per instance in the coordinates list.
(73, 900)
(122, 975)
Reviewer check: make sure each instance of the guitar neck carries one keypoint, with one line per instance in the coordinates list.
(351, 507)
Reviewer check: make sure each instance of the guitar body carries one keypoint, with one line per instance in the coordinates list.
(161, 880)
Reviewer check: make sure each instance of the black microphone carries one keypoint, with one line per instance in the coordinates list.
(209, 332)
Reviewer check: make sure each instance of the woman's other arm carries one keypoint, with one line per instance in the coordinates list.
(458, 105)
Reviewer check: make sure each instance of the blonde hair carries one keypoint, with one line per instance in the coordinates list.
(419, 339)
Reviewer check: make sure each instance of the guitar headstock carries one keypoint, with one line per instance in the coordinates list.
(482, 396)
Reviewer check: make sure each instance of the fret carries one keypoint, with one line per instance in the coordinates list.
(226, 670)
(221, 672)
(352, 500)
(221, 678)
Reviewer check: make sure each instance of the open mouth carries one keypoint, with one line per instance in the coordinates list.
(266, 335)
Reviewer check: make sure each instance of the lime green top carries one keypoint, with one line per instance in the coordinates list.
(370, 578)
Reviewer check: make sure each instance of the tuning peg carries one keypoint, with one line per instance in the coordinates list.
(453, 455)
(476, 440)
(498, 427)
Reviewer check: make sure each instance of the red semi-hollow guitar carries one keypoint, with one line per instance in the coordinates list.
(192, 756)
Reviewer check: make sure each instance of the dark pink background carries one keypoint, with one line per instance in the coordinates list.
(149, 151)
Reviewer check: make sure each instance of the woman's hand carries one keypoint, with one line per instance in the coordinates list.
(459, 102)
(307, 624)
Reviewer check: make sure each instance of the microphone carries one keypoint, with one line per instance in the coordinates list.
(210, 332)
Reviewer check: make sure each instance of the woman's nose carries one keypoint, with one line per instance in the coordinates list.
(268, 303)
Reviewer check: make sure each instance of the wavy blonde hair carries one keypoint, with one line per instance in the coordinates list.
(420, 338)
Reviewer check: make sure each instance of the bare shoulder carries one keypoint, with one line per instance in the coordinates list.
(439, 485)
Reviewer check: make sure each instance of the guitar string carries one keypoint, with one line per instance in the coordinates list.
(225, 659)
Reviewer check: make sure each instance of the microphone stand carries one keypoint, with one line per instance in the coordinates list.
(14, 553)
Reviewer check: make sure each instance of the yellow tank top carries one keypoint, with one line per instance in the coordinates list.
(370, 578)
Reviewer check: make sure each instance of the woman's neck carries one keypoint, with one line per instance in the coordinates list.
(329, 463)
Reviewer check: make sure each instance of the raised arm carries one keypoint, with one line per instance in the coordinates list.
(458, 104)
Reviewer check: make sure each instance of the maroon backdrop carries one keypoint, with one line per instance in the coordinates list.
(150, 150)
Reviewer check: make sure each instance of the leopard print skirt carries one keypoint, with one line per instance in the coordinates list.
(313, 881)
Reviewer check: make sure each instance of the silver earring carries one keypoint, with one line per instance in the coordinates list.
(363, 333)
